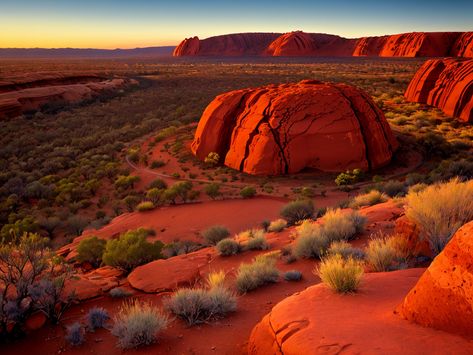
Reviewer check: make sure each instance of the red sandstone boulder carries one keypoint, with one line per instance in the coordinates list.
(284, 129)
(443, 297)
(409, 231)
(446, 84)
(318, 321)
(169, 274)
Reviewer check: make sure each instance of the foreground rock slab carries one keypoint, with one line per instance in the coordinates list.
(317, 321)
(443, 297)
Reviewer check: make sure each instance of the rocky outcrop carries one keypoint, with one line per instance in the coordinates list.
(18, 98)
(283, 129)
(446, 84)
(443, 297)
(318, 321)
(298, 43)
(169, 274)
(463, 46)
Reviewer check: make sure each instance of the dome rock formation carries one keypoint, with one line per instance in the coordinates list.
(446, 84)
(282, 129)
(188, 47)
(443, 297)
(463, 47)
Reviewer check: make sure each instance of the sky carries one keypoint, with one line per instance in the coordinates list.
(146, 23)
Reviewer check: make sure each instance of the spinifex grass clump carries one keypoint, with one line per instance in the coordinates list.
(341, 275)
(260, 272)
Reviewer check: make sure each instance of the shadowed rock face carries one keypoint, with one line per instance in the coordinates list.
(298, 43)
(443, 297)
(283, 129)
(446, 84)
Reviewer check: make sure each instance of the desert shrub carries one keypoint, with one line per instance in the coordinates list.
(265, 225)
(215, 234)
(341, 275)
(138, 324)
(145, 206)
(277, 225)
(380, 254)
(216, 279)
(340, 225)
(213, 190)
(311, 241)
(297, 211)
(292, 275)
(260, 272)
(345, 249)
(97, 317)
(307, 192)
(118, 292)
(257, 241)
(131, 202)
(154, 195)
(402, 250)
(156, 164)
(248, 192)
(131, 249)
(417, 188)
(349, 177)
(125, 182)
(439, 210)
(198, 305)
(157, 184)
(393, 188)
(75, 334)
(90, 250)
(227, 247)
(369, 199)
(179, 247)
(212, 159)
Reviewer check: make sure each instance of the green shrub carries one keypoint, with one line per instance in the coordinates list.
(439, 210)
(156, 164)
(215, 234)
(346, 250)
(212, 159)
(393, 188)
(260, 272)
(257, 241)
(342, 225)
(311, 241)
(277, 225)
(90, 250)
(227, 247)
(157, 184)
(380, 254)
(292, 275)
(369, 199)
(145, 206)
(248, 192)
(131, 249)
(349, 177)
(297, 211)
(341, 275)
(213, 190)
(138, 324)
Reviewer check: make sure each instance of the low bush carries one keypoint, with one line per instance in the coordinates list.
(97, 317)
(118, 292)
(260, 272)
(342, 225)
(131, 249)
(341, 275)
(145, 206)
(157, 184)
(138, 324)
(213, 190)
(215, 234)
(297, 211)
(393, 188)
(345, 249)
(311, 241)
(248, 192)
(440, 209)
(75, 334)
(257, 242)
(349, 177)
(227, 247)
(90, 250)
(292, 275)
(369, 199)
(277, 225)
(380, 254)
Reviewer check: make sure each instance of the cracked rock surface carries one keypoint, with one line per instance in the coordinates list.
(446, 84)
(282, 129)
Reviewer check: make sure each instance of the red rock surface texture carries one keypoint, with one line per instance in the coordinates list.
(283, 129)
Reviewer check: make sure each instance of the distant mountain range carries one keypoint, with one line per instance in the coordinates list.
(85, 52)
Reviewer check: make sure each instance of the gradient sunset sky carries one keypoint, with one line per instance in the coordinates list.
(144, 23)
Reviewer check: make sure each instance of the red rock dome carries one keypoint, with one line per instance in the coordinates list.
(463, 46)
(280, 129)
(443, 297)
(446, 84)
(188, 47)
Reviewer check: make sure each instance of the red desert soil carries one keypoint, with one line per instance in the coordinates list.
(298, 43)
(184, 222)
(282, 129)
(443, 297)
(446, 84)
(318, 321)
(20, 95)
